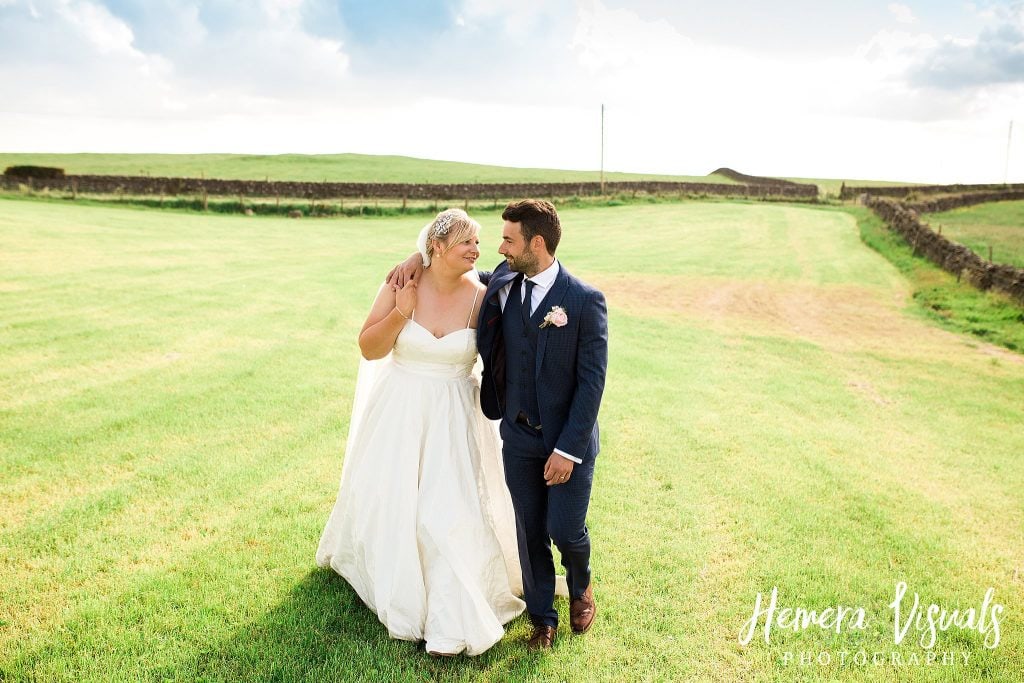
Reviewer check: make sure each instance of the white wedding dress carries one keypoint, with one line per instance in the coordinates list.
(423, 528)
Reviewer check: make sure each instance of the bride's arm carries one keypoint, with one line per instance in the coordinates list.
(387, 317)
(411, 269)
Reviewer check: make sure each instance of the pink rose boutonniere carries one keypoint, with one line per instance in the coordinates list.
(556, 316)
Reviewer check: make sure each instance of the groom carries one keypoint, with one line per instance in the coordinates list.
(543, 337)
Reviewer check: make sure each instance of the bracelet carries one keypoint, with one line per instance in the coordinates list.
(401, 314)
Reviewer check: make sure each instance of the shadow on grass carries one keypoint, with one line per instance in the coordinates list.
(322, 631)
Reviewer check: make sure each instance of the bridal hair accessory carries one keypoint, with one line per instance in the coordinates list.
(439, 227)
(556, 316)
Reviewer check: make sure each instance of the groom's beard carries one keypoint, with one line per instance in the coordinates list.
(524, 263)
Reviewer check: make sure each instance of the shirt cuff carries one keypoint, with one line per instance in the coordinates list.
(569, 457)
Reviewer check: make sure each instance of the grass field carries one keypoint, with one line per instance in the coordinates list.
(996, 224)
(175, 391)
(319, 167)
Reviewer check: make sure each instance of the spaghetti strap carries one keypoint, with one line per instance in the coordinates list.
(473, 307)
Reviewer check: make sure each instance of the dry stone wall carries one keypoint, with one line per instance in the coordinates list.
(146, 185)
(852, 191)
(953, 257)
(960, 200)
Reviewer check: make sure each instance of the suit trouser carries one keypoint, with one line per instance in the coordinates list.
(544, 514)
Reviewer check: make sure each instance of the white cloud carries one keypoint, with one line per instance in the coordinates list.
(514, 15)
(76, 56)
(511, 17)
(97, 25)
(994, 58)
(618, 40)
(286, 11)
(902, 13)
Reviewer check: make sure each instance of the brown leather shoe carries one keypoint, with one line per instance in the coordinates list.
(542, 638)
(582, 611)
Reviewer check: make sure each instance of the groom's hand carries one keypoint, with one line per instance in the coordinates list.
(557, 470)
(409, 269)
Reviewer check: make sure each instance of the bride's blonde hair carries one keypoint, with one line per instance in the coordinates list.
(450, 227)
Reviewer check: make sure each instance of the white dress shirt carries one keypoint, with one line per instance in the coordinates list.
(542, 282)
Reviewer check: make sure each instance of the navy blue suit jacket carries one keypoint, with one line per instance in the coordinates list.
(570, 366)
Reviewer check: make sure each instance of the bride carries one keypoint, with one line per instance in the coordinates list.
(423, 528)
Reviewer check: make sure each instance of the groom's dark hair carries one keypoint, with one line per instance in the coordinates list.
(538, 217)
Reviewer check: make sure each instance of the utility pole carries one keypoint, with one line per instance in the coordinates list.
(602, 149)
(1006, 169)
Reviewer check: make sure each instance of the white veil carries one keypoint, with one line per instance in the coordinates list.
(366, 378)
(369, 370)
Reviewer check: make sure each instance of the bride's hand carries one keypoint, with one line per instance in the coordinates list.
(409, 269)
(406, 299)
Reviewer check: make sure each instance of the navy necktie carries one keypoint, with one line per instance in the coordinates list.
(528, 300)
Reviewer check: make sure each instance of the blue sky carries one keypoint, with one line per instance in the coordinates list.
(908, 90)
